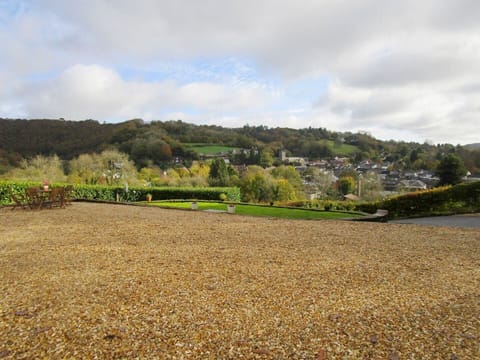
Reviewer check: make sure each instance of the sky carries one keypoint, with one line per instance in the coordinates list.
(403, 70)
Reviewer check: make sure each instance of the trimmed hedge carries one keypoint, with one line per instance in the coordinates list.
(111, 193)
(18, 188)
(462, 198)
(327, 205)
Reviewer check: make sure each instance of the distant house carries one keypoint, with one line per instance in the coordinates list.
(322, 164)
(470, 178)
(340, 162)
(351, 197)
(366, 166)
(390, 181)
(412, 185)
(313, 195)
(292, 160)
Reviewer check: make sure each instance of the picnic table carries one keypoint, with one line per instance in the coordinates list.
(39, 198)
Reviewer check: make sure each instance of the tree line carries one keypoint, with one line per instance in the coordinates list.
(163, 143)
(112, 167)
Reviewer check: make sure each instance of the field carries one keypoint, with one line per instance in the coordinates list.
(112, 281)
(213, 149)
(341, 149)
(209, 149)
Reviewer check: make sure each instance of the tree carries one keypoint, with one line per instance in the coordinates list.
(288, 173)
(150, 176)
(110, 167)
(200, 169)
(451, 170)
(293, 179)
(284, 191)
(257, 185)
(39, 168)
(218, 175)
(150, 150)
(370, 186)
(319, 181)
(266, 158)
(8, 160)
(346, 185)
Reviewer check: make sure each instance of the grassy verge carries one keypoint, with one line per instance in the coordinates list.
(260, 210)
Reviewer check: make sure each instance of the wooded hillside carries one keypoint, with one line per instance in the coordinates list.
(159, 142)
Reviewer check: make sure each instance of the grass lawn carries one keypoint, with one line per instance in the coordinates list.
(209, 149)
(259, 210)
(343, 149)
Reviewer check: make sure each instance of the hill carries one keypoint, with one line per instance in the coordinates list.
(64, 138)
(475, 146)
(160, 143)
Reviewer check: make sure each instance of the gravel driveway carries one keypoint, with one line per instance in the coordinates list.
(468, 221)
(99, 281)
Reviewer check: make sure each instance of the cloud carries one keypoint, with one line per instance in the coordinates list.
(283, 36)
(94, 91)
(421, 112)
(406, 66)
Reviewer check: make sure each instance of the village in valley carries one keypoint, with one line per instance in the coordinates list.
(318, 175)
(267, 164)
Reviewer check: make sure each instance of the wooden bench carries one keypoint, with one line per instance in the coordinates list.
(56, 197)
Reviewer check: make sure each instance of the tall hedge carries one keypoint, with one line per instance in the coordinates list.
(111, 193)
(462, 198)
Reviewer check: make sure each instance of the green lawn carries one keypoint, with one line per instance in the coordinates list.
(212, 149)
(209, 149)
(259, 210)
(341, 149)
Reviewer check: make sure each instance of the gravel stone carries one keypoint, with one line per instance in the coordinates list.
(121, 282)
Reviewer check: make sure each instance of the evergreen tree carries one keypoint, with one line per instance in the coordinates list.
(218, 175)
(451, 170)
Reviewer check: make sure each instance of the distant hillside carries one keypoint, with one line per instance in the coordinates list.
(67, 139)
(475, 146)
(162, 143)
(164, 140)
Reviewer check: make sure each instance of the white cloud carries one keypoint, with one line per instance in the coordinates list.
(399, 66)
(97, 92)
(420, 111)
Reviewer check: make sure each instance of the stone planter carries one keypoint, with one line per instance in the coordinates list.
(194, 205)
(231, 209)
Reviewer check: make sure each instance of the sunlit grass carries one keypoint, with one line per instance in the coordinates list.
(209, 149)
(260, 210)
(341, 149)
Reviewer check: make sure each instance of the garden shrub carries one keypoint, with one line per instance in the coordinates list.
(111, 193)
(462, 198)
(323, 204)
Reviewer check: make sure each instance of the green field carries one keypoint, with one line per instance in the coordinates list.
(213, 149)
(341, 149)
(209, 149)
(259, 210)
